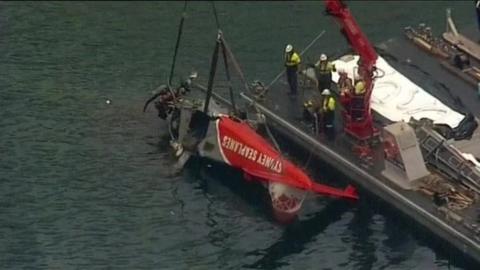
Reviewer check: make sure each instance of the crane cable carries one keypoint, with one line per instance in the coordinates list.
(228, 53)
(225, 60)
(177, 45)
(172, 68)
(215, 14)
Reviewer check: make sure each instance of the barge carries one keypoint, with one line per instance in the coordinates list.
(420, 154)
(435, 180)
(451, 164)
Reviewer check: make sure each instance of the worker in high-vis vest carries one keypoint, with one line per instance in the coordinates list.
(292, 60)
(328, 114)
(358, 100)
(323, 72)
(360, 87)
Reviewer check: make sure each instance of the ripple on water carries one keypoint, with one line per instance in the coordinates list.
(86, 185)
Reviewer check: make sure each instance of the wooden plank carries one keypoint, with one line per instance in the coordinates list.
(465, 44)
(474, 74)
(466, 77)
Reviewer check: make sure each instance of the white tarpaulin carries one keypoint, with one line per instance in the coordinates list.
(397, 98)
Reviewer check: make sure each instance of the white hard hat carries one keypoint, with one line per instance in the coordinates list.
(325, 92)
(289, 48)
(323, 57)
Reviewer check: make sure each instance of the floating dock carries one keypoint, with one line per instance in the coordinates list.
(453, 165)
(458, 226)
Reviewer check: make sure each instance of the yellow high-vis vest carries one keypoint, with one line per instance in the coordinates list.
(292, 60)
(328, 104)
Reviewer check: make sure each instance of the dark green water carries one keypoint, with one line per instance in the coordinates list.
(86, 185)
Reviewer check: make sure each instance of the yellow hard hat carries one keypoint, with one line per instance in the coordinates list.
(360, 86)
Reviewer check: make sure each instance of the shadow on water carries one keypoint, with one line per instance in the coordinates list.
(297, 235)
(401, 246)
(215, 178)
(364, 247)
(219, 182)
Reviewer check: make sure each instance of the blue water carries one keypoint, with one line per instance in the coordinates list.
(87, 185)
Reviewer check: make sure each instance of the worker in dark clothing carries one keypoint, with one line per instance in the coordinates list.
(439, 199)
(312, 114)
(328, 114)
(323, 72)
(292, 60)
(345, 86)
(461, 61)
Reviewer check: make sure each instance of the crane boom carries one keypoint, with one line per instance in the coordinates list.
(361, 128)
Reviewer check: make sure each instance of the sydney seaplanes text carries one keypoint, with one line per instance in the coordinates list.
(252, 154)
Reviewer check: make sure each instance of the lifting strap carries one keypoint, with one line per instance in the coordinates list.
(235, 63)
(225, 61)
(230, 87)
(211, 77)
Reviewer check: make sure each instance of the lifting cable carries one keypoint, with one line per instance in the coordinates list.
(235, 64)
(301, 54)
(227, 53)
(211, 77)
(215, 14)
(225, 61)
(230, 87)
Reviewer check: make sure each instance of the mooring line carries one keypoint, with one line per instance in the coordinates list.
(301, 53)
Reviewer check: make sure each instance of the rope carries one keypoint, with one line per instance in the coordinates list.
(275, 80)
(310, 152)
(272, 138)
(269, 133)
(225, 60)
(177, 45)
(227, 53)
(235, 64)
(301, 53)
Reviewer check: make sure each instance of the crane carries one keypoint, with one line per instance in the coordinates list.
(360, 128)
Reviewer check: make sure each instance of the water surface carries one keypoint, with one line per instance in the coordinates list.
(86, 185)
